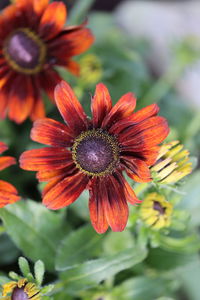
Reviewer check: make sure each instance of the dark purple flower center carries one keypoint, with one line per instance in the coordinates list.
(157, 206)
(19, 294)
(95, 153)
(23, 50)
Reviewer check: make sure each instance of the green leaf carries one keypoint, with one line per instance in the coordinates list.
(77, 247)
(47, 289)
(34, 229)
(24, 266)
(8, 250)
(115, 242)
(91, 273)
(142, 288)
(39, 270)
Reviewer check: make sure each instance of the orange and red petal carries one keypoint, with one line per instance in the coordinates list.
(48, 80)
(6, 161)
(133, 130)
(8, 193)
(3, 147)
(101, 104)
(115, 205)
(49, 175)
(39, 6)
(65, 192)
(49, 132)
(52, 20)
(71, 43)
(21, 98)
(148, 138)
(137, 169)
(45, 159)
(96, 206)
(128, 191)
(122, 109)
(70, 108)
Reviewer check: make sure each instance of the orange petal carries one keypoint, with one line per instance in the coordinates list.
(8, 193)
(49, 132)
(65, 192)
(48, 80)
(3, 147)
(39, 6)
(70, 108)
(20, 99)
(122, 109)
(115, 205)
(137, 169)
(50, 175)
(45, 159)
(96, 206)
(6, 161)
(101, 104)
(53, 20)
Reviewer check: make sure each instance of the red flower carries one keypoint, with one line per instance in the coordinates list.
(33, 39)
(99, 150)
(8, 193)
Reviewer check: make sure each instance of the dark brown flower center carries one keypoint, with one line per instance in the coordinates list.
(95, 152)
(157, 206)
(19, 294)
(24, 51)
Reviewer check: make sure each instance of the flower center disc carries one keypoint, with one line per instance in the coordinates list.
(157, 206)
(19, 294)
(24, 51)
(95, 153)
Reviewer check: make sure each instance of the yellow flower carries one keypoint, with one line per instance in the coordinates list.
(91, 70)
(156, 211)
(172, 163)
(21, 289)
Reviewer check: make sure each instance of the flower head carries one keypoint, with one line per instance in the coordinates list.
(91, 69)
(92, 154)
(172, 163)
(33, 40)
(156, 211)
(21, 290)
(8, 193)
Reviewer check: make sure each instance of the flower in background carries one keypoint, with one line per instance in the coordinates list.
(99, 150)
(90, 69)
(8, 193)
(156, 211)
(33, 40)
(21, 290)
(172, 163)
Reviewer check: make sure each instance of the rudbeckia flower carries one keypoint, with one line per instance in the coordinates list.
(33, 40)
(21, 290)
(156, 211)
(172, 163)
(92, 154)
(8, 193)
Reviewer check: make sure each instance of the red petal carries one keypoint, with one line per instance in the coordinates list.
(137, 169)
(8, 193)
(6, 161)
(56, 174)
(53, 20)
(129, 193)
(72, 66)
(65, 192)
(96, 206)
(135, 118)
(45, 159)
(115, 205)
(149, 156)
(38, 110)
(71, 43)
(148, 138)
(70, 108)
(101, 104)
(48, 81)
(39, 6)
(20, 98)
(131, 131)
(3, 147)
(49, 132)
(122, 109)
